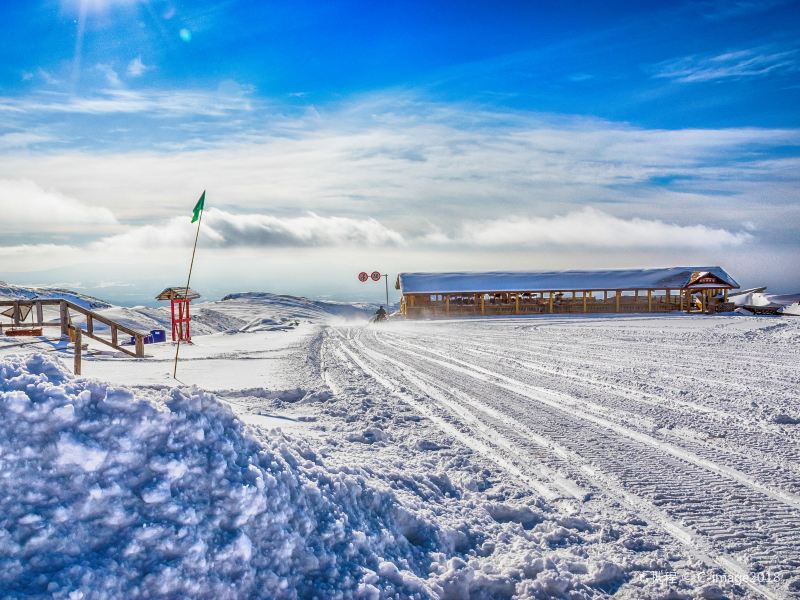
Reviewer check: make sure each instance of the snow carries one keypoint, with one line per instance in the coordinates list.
(16, 292)
(538, 457)
(515, 281)
(112, 496)
(786, 304)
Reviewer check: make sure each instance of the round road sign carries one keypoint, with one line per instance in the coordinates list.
(376, 276)
(362, 277)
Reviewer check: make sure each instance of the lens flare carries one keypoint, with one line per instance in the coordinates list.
(185, 35)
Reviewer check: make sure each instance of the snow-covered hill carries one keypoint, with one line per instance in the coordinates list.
(242, 312)
(16, 292)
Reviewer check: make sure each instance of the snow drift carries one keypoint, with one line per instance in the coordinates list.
(114, 496)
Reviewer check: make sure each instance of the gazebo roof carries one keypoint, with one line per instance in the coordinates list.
(178, 293)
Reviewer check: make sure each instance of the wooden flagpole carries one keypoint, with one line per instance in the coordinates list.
(188, 280)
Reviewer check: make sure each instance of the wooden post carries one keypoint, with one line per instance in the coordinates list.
(551, 301)
(649, 300)
(725, 295)
(447, 304)
(681, 297)
(89, 324)
(668, 299)
(140, 346)
(78, 344)
(516, 299)
(617, 294)
(584, 300)
(605, 295)
(64, 315)
(39, 313)
(114, 336)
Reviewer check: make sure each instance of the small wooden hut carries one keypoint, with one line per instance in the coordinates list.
(179, 300)
(692, 289)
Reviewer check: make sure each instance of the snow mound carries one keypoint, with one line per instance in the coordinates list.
(785, 304)
(112, 496)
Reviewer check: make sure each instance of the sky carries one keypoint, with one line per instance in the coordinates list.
(339, 137)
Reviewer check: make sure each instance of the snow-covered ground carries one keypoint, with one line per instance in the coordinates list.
(643, 457)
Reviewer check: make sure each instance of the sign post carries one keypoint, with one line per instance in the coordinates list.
(376, 277)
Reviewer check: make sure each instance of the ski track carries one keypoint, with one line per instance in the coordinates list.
(554, 421)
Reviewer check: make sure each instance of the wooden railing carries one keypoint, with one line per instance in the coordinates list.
(65, 310)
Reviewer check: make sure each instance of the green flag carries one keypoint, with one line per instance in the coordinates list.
(198, 208)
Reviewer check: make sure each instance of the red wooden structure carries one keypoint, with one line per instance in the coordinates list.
(179, 299)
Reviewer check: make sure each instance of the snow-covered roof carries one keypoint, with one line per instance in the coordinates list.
(177, 293)
(542, 281)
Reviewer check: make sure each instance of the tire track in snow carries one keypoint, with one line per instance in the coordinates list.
(396, 389)
(591, 410)
(758, 447)
(687, 534)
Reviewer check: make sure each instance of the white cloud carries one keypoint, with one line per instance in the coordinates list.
(136, 68)
(111, 75)
(26, 207)
(22, 139)
(222, 229)
(738, 64)
(593, 228)
(404, 163)
(228, 99)
(404, 174)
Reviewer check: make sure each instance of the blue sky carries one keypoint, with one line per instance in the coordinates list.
(332, 134)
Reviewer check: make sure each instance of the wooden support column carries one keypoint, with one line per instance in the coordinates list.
(681, 297)
(483, 304)
(89, 324)
(551, 301)
(140, 346)
(584, 300)
(725, 295)
(688, 301)
(64, 316)
(668, 299)
(605, 295)
(39, 313)
(649, 300)
(114, 335)
(516, 301)
(78, 344)
(617, 294)
(447, 304)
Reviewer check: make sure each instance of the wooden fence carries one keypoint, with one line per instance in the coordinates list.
(21, 309)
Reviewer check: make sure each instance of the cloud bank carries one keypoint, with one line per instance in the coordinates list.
(222, 229)
(592, 228)
(24, 205)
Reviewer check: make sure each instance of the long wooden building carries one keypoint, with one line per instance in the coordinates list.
(425, 295)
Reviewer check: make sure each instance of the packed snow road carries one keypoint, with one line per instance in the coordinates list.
(690, 423)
